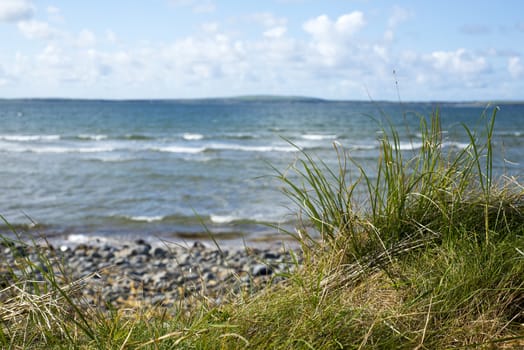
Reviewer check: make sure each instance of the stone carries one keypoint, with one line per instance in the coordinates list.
(209, 276)
(261, 270)
(158, 299)
(159, 252)
(141, 249)
(268, 255)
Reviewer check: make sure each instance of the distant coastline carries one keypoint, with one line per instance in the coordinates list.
(269, 98)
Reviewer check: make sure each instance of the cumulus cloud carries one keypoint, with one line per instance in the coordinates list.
(16, 10)
(322, 28)
(332, 54)
(331, 38)
(460, 62)
(276, 32)
(34, 29)
(53, 56)
(111, 36)
(86, 38)
(515, 67)
(210, 56)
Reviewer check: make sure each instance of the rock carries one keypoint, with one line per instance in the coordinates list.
(158, 299)
(209, 276)
(159, 276)
(268, 255)
(198, 245)
(261, 270)
(141, 249)
(160, 253)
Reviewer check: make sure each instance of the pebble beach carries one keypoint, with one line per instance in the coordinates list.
(160, 274)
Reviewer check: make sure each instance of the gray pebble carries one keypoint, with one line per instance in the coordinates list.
(261, 270)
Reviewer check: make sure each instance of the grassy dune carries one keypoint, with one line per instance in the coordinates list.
(430, 257)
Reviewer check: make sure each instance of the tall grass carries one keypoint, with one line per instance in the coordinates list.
(437, 193)
(435, 224)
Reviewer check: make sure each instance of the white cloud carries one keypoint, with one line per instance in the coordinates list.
(203, 56)
(322, 28)
(350, 23)
(53, 56)
(210, 27)
(331, 39)
(276, 32)
(515, 67)
(16, 10)
(398, 16)
(86, 38)
(460, 62)
(111, 36)
(212, 61)
(389, 35)
(33, 29)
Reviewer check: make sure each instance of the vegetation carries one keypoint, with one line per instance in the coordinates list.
(430, 257)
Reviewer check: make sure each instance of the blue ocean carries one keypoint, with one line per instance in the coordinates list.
(182, 169)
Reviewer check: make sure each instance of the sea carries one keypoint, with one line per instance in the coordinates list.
(78, 170)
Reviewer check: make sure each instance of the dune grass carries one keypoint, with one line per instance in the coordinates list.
(428, 254)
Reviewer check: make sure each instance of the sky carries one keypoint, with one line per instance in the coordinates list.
(454, 50)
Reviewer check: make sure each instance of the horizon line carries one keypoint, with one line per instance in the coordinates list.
(260, 97)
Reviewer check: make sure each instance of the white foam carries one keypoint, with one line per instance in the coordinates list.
(222, 219)
(409, 146)
(66, 150)
(110, 158)
(78, 238)
(318, 137)
(92, 137)
(363, 147)
(510, 133)
(233, 147)
(459, 145)
(192, 137)
(145, 218)
(180, 149)
(26, 138)
(52, 149)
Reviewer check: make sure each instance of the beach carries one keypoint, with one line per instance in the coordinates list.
(160, 274)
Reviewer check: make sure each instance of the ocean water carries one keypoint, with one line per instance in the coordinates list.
(181, 169)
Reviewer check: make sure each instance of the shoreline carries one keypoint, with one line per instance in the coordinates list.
(229, 235)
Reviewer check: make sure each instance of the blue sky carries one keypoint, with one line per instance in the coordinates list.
(335, 49)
